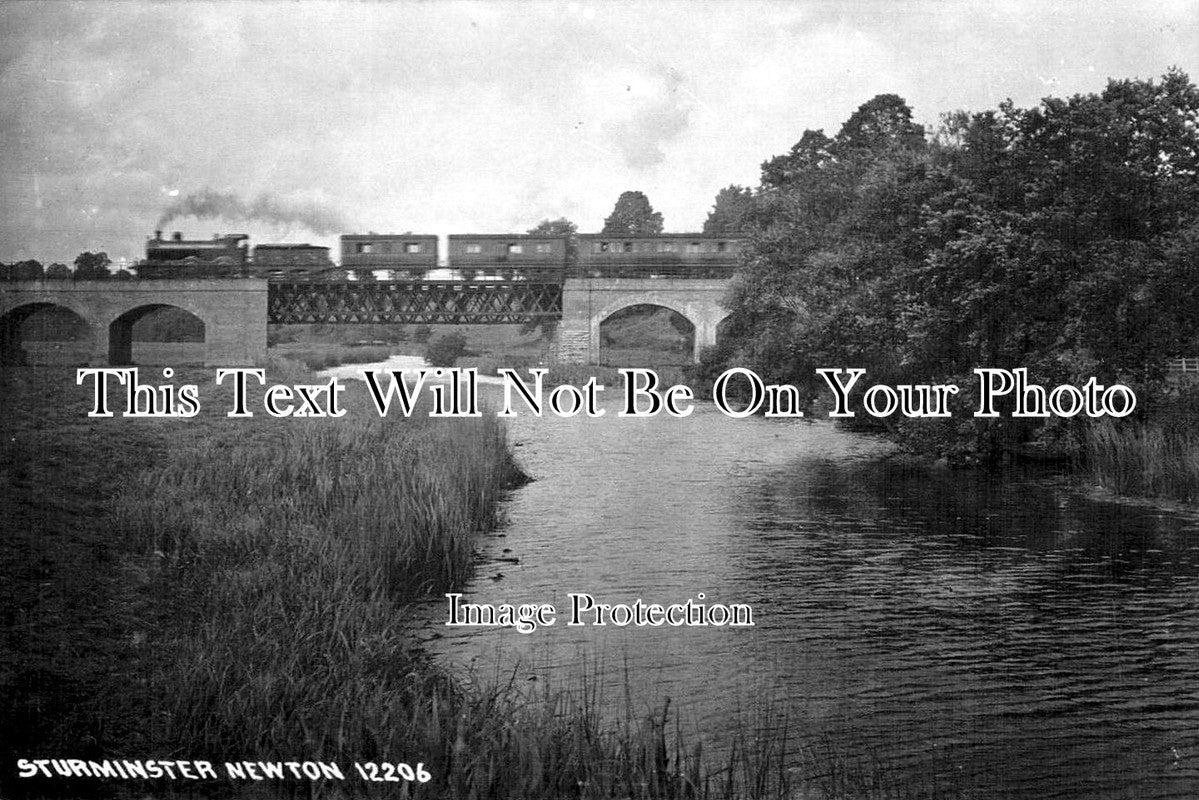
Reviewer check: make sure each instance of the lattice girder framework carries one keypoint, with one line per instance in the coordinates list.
(413, 302)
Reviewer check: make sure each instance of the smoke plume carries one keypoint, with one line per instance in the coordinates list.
(314, 215)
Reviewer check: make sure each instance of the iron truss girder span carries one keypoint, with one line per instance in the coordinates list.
(413, 302)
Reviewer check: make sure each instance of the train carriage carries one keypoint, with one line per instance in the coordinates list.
(691, 255)
(508, 256)
(404, 256)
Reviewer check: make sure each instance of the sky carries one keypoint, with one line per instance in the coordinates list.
(299, 121)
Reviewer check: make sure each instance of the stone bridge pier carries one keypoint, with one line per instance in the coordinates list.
(587, 302)
(233, 312)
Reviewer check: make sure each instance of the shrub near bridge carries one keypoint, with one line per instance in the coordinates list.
(445, 350)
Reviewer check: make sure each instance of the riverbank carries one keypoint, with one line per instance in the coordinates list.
(233, 590)
(1155, 458)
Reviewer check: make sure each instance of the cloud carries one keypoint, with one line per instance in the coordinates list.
(654, 122)
(444, 117)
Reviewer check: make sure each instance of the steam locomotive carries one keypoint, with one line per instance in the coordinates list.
(411, 257)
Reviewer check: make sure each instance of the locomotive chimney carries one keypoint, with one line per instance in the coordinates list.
(158, 236)
(177, 236)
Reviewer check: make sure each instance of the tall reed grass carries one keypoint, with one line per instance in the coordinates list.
(1144, 459)
(283, 562)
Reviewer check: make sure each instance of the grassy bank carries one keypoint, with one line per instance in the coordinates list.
(1144, 460)
(237, 589)
(1154, 454)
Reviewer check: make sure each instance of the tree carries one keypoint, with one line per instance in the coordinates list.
(29, 270)
(882, 123)
(1060, 238)
(633, 216)
(812, 151)
(445, 350)
(729, 215)
(58, 271)
(92, 266)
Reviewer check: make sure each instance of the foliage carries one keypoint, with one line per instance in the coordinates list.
(1157, 457)
(633, 216)
(445, 350)
(729, 216)
(58, 271)
(421, 333)
(883, 123)
(1144, 459)
(1060, 238)
(280, 334)
(92, 266)
(21, 271)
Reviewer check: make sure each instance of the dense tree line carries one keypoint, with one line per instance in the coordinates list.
(1063, 238)
(88, 266)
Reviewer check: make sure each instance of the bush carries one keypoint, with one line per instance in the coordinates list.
(421, 334)
(280, 334)
(445, 350)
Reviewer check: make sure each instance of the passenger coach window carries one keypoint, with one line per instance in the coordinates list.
(474, 248)
(411, 247)
(515, 248)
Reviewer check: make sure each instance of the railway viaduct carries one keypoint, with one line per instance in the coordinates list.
(235, 312)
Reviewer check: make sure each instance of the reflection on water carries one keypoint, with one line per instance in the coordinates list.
(990, 635)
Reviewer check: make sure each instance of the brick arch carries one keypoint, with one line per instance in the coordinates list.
(120, 329)
(14, 312)
(698, 310)
(623, 304)
(617, 306)
(586, 302)
(79, 306)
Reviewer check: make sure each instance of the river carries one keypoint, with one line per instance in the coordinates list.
(990, 635)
